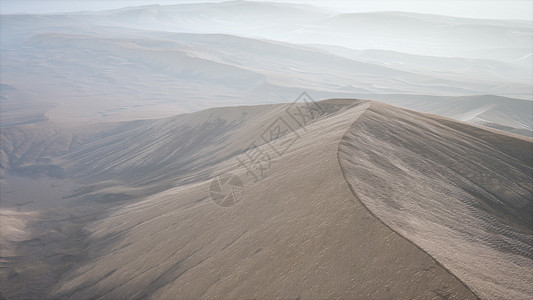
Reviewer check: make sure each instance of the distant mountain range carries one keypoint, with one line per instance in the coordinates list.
(196, 56)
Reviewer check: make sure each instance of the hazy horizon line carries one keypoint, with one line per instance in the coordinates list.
(515, 10)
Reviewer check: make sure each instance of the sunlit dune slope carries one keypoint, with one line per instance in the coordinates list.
(461, 193)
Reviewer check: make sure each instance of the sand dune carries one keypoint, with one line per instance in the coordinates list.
(414, 185)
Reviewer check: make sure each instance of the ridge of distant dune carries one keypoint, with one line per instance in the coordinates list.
(460, 193)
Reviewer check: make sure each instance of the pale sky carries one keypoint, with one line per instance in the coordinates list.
(489, 9)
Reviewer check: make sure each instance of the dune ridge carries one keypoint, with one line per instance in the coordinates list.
(354, 192)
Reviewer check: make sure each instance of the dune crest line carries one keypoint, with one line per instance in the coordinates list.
(343, 170)
(452, 189)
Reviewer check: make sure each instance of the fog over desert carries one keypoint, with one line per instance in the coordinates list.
(252, 149)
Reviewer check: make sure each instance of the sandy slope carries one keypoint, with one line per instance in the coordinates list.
(461, 193)
(298, 232)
